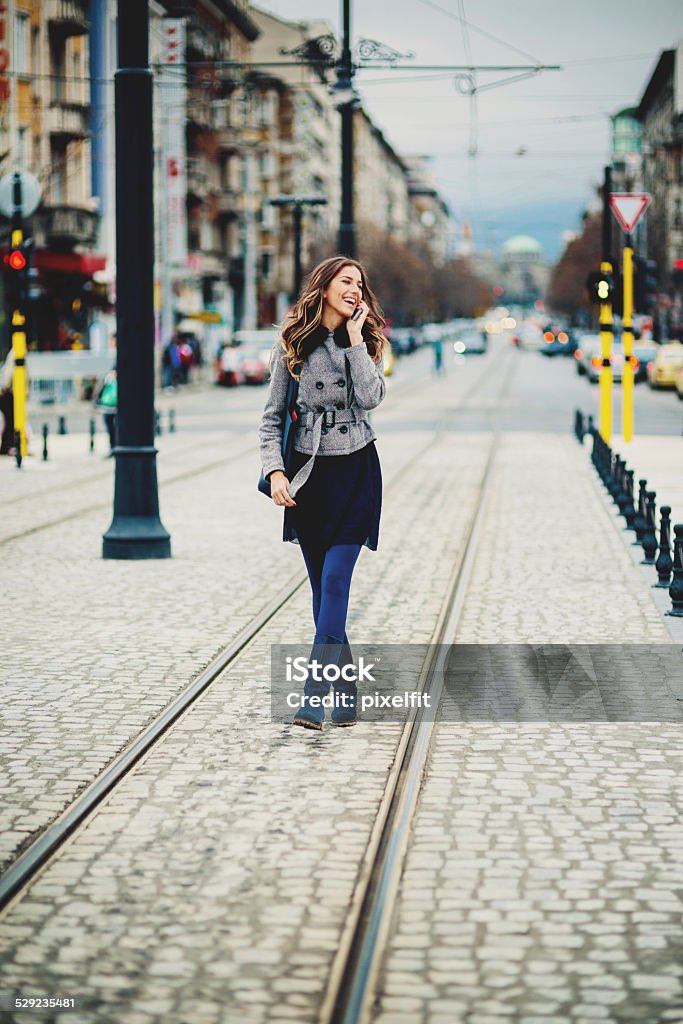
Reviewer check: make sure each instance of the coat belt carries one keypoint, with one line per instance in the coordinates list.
(330, 418)
(311, 421)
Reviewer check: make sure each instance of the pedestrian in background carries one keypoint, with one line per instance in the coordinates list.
(7, 405)
(438, 357)
(332, 341)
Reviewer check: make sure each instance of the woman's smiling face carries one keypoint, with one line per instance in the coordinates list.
(345, 291)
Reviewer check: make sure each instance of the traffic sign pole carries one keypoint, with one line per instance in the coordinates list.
(627, 330)
(628, 208)
(606, 331)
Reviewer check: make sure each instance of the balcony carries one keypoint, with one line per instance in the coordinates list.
(66, 226)
(228, 204)
(230, 138)
(67, 121)
(66, 17)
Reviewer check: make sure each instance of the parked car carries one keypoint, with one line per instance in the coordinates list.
(247, 358)
(594, 366)
(472, 341)
(662, 371)
(253, 364)
(228, 371)
(529, 336)
(558, 341)
(589, 346)
(403, 340)
(645, 352)
(429, 333)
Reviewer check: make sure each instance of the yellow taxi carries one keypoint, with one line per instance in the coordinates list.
(662, 371)
(389, 360)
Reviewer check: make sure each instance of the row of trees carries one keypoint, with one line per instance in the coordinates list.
(567, 288)
(410, 288)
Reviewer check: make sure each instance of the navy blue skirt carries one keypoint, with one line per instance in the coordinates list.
(340, 503)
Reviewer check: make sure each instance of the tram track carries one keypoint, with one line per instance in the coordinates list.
(352, 982)
(30, 862)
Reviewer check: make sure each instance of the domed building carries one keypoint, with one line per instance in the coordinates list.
(524, 273)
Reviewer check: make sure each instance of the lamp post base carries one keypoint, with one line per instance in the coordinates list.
(136, 531)
(136, 537)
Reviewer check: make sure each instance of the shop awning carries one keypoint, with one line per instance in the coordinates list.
(85, 263)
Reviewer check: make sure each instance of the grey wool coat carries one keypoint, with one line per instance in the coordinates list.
(337, 387)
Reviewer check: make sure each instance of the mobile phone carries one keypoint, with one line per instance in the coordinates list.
(356, 313)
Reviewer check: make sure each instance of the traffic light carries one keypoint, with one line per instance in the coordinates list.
(17, 266)
(600, 286)
(647, 285)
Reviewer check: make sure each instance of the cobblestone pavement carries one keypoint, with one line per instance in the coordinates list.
(213, 884)
(543, 883)
(108, 644)
(231, 910)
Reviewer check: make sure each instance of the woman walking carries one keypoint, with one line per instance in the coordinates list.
(332, 342)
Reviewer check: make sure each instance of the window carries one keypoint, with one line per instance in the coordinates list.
(22, 147)
(21, 42)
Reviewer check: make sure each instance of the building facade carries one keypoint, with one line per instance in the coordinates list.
(661, 115)
(45, 130)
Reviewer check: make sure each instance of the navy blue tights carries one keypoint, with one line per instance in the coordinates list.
(330, 574)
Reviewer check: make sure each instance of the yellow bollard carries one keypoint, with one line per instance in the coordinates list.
(606, 330)
(19, 380)
(627, 377)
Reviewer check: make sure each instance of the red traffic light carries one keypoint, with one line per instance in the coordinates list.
(17, 260)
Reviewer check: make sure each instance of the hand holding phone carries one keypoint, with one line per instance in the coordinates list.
(357, 312)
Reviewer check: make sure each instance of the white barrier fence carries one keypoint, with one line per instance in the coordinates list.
(59, 378)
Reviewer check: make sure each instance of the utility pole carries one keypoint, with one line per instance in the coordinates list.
(346, 107)
(136, 531)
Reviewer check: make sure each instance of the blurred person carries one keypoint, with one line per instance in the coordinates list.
(7, 405)
(439, 368)
(8, 437)
(107, 400)
(332, 341)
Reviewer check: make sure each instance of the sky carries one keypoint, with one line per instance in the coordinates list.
(541, 142)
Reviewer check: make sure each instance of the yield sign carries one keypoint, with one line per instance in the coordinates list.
(629, 207)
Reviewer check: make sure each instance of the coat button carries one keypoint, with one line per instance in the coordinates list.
(341, 383)
(339, 405)
(343, 429)
(323, 430)
(320, 408)
(319, 384)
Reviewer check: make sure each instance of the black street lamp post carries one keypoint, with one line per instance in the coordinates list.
(297, 203)
(136, 530)
(347, 103)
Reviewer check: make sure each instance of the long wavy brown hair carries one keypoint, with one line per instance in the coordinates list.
(307, 312)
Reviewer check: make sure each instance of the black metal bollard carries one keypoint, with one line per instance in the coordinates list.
(578, 425)
(171, 421)
(62, 425)
(92, 435)
(639, 521)
(676, 588)
(617, 488)
(629, 511)
(157, 424)
(664, 562)
(45, 433)
(649, 541)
